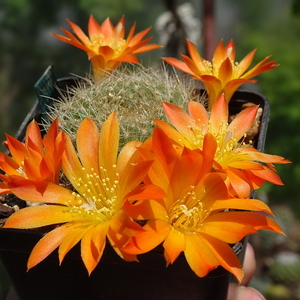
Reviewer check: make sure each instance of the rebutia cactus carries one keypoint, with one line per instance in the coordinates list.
(136, 95)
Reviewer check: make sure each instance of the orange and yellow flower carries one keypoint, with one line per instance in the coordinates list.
(106, 46)
(36, 159)
(102, 181)
(195, 216)
(222, 74)
(241, 163)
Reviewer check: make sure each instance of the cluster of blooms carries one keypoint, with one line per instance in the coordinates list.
(189, 182)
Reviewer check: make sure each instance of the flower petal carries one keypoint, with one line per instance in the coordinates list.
(154, 234)
(42, 191)
(108, 144)
(147, 210)
(47, 245)
(199, 256)
(174, 244)
(87, 144)
(243, 121)
(225, 255)
(232, 226)
(72, 238)
(89, 252)
(39, 216)
(219, 115)
(179, 119)
(242, 204)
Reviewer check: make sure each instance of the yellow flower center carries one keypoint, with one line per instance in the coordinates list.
(211, 68)
(226, 143)
(196, 136)
(97, 195)
(114, 42)
(188, 213)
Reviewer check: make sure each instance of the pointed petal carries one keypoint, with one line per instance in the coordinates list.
(126, 154)
(147, 210)
(71, 239)
(71, 164)
(178, 64)
(195, 56)
(268, 174)
(131, 33)
(17, 149)
(185, 173)
(87, 145)
(154, 234)
(219, 115)
(199, 114)
(146, 191)
(220, 53)
(33, 137)
(138, 37)
(212, 187)
(133, 175)
(199, 256)
(225, 255)
(238, 182)
(261, 67)
(38, 216)
(225, 71)
(80, 34)
(129, 58)
(243, 121)
(89, 253)
(47, 245)
(108, 144)
(233, 85)
(94, 27)
(179, 119)
(196, 69)
(232, 226)
(266, 158)
(107, 28)
(41, 191)
(8, 165)
(245, 63)
(146, 48)
(174, 244)
(124, 225)
(172, 133)
(242, 204)
(209, 149)
(99, 236)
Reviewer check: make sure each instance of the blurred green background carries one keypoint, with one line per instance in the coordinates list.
(272, 26)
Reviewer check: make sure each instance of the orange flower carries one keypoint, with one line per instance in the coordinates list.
(241, 162)
(94, 211)
(193, 218)
(36, 159)
(106, 46)
(222, 74)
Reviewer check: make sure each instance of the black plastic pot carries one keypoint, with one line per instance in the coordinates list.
(113, 278)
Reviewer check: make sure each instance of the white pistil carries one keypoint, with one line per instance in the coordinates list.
(188, 213)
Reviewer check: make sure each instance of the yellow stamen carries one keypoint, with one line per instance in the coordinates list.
(115, 43)
(188, 213)
(96, 195)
